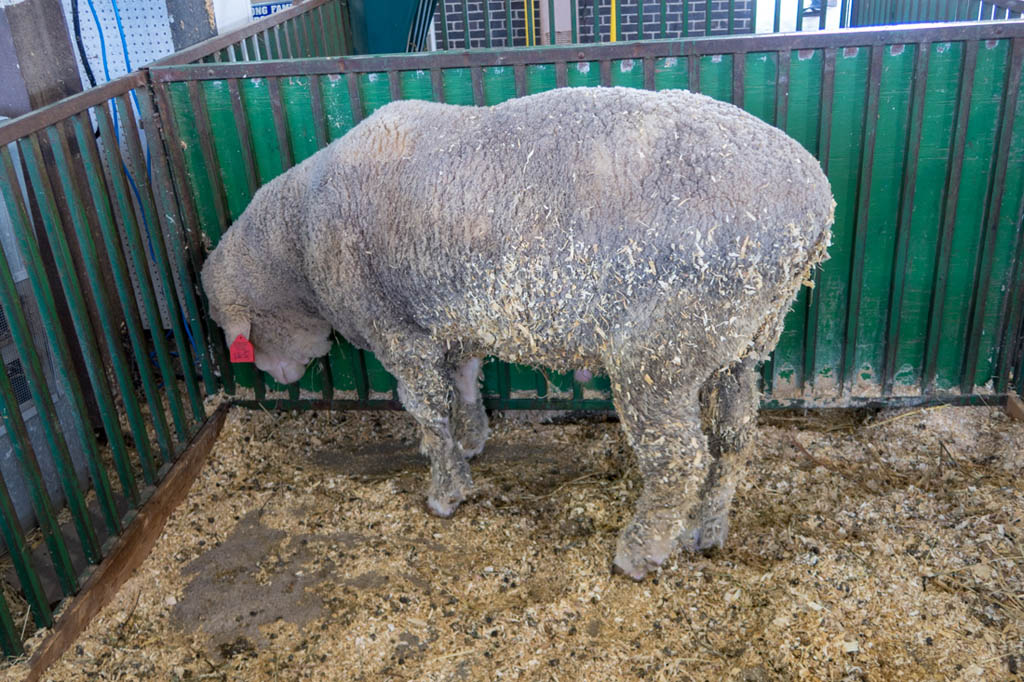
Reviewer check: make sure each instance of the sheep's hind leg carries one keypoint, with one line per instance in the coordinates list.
(663, 427)
(469, 417)
(729, 401)
(426, 388)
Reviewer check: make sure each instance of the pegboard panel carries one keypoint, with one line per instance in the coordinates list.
(147, 32)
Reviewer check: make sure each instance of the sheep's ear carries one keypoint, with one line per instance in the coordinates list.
(236, 328)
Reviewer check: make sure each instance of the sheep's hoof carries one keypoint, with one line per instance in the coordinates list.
(706, 536)
(471, 450)
(641, 550)
(443, 507)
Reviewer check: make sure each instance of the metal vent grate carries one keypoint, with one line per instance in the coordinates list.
(5, 329)
(18, 382)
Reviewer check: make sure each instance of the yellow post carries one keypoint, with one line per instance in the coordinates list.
(613, 33)
(528, 19)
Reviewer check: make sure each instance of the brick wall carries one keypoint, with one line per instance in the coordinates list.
(627, 30)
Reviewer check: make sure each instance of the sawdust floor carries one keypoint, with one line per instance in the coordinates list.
(864, 546)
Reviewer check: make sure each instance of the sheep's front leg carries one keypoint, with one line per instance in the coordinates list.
(672, 453)
(729, 401)
(426, 388)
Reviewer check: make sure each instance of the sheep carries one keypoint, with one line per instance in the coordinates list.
(659, 237)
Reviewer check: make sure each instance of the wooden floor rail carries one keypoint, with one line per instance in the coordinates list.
(131, 549)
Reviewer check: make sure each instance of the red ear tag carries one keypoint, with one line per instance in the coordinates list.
(242, 350)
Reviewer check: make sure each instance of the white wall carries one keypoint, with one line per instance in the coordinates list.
(231, 14)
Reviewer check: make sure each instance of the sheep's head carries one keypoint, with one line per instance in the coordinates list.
(284, 341)
(284, 332)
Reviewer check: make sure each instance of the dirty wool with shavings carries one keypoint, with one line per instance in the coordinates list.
(864, 546)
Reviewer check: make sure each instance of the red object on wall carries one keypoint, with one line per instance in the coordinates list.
(242, 350)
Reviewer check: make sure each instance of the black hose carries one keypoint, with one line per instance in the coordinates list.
(81, 46)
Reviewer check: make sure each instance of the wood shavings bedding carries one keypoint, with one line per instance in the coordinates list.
(870, 547)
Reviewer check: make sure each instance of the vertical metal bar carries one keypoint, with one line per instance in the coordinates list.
(301, 38)
(739, 74)
(822, 18)
(476, 74)
(291, 49)
(948, 220)
(10, 642)
(648, 63)
(55, 336)
(327, 380)
(992, 215)
(732, 16)
(777, 19)
(606, 72)
(14, 537)
(663, 19)
(332, 31)
(1011, 330)
(312, 35)
(465, 25)
(519, 78)
(615, 30)
(355, 100)
(486, 6)
(707, 17)
(394, 85)
(209, 151)
(561, 74)
(437, 84)
(244, 135)
(692, 68)
(508, 24)
(444, 25)
(281, 48)
(922, 52)
(342, 11)
(783, 59)
(180, 234)
(317, 106)
(130, 228)
(359, 372)
(799, 15)
(867, 160)
(259, 385)
(280, 123)
(267, 45)
(574, 11)
(101, 199)
(639, 20)
(551, 22)
(828, 82)
(320, 28)
(86, 334)
(21, 445)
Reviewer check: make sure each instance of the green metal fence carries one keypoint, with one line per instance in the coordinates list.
(112, 269)
(881, 12)
(313, 28)
(81, 194)
(919, 131)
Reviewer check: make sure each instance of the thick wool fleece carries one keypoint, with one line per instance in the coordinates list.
(658, 237)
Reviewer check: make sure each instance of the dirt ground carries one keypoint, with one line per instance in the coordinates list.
(864, 546)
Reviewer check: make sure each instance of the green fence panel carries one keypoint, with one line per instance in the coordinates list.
(915, 299)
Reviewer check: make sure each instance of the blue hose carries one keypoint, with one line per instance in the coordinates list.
(117, 135)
